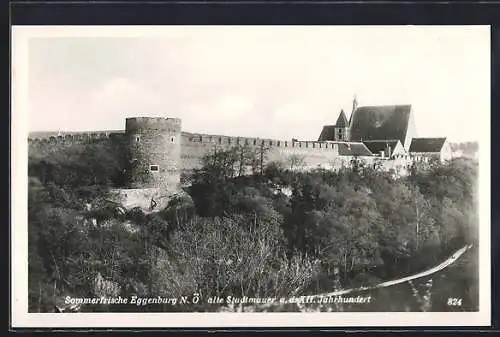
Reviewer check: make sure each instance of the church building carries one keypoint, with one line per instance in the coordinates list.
(387, 131)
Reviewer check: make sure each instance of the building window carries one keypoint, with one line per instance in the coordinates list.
(172, 139)
(154, 168)
(137, 139)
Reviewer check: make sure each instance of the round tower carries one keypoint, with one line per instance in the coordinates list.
(154, 151)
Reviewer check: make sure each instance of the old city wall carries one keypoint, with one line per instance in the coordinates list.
(114, 142)
(312, 154)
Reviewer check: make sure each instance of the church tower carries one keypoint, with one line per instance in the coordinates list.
(342, 128)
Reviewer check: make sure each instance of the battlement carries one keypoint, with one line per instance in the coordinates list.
(188, 139)
(227, 141)
(153, 123)
(73, 137)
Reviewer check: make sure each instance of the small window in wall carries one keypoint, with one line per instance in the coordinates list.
(137, 139)
(172, 139)
(154, 168)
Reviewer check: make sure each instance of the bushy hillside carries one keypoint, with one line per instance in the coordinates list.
(242, 235)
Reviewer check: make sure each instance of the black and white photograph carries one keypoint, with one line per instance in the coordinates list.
(249, 175)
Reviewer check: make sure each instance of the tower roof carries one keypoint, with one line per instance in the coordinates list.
(342, 120)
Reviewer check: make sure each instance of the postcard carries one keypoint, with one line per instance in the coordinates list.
(250, 176)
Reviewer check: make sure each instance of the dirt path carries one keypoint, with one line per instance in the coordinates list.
(425, 273)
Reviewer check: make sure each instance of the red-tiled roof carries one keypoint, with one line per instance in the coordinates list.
(427, 144)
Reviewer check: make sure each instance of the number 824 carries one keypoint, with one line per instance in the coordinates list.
(452, 301)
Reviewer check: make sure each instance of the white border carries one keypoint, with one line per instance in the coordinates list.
(21, 317)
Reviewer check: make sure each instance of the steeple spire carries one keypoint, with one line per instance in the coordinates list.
(354, 103)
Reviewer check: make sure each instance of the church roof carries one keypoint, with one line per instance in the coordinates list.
(385, 122)
(375, 146)
(342, 120)
(353, 149)
(328, 133)
(427, 144)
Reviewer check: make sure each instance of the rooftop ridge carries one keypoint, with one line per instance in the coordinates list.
(429, 137)
(383, 106)
(380, 140)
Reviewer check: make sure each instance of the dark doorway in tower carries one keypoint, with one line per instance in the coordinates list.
(154, 168)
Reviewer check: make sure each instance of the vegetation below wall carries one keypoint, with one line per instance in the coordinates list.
(241, 235)
(79, 165)
(466, 149)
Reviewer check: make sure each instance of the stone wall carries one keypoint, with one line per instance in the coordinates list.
(114, 143)
(154, 152)
(142, 198)
(313, 154)
(185, 151)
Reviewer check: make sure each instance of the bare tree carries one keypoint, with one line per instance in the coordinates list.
(296, 161)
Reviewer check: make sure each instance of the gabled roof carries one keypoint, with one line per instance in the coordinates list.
(353, 149)
(342, 120)
(375, 146)
(427, 144)
(328, 133)
(385, 122)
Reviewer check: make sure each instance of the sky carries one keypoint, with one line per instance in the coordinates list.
(277, 82)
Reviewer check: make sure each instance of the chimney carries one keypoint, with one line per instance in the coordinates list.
(388, 147)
